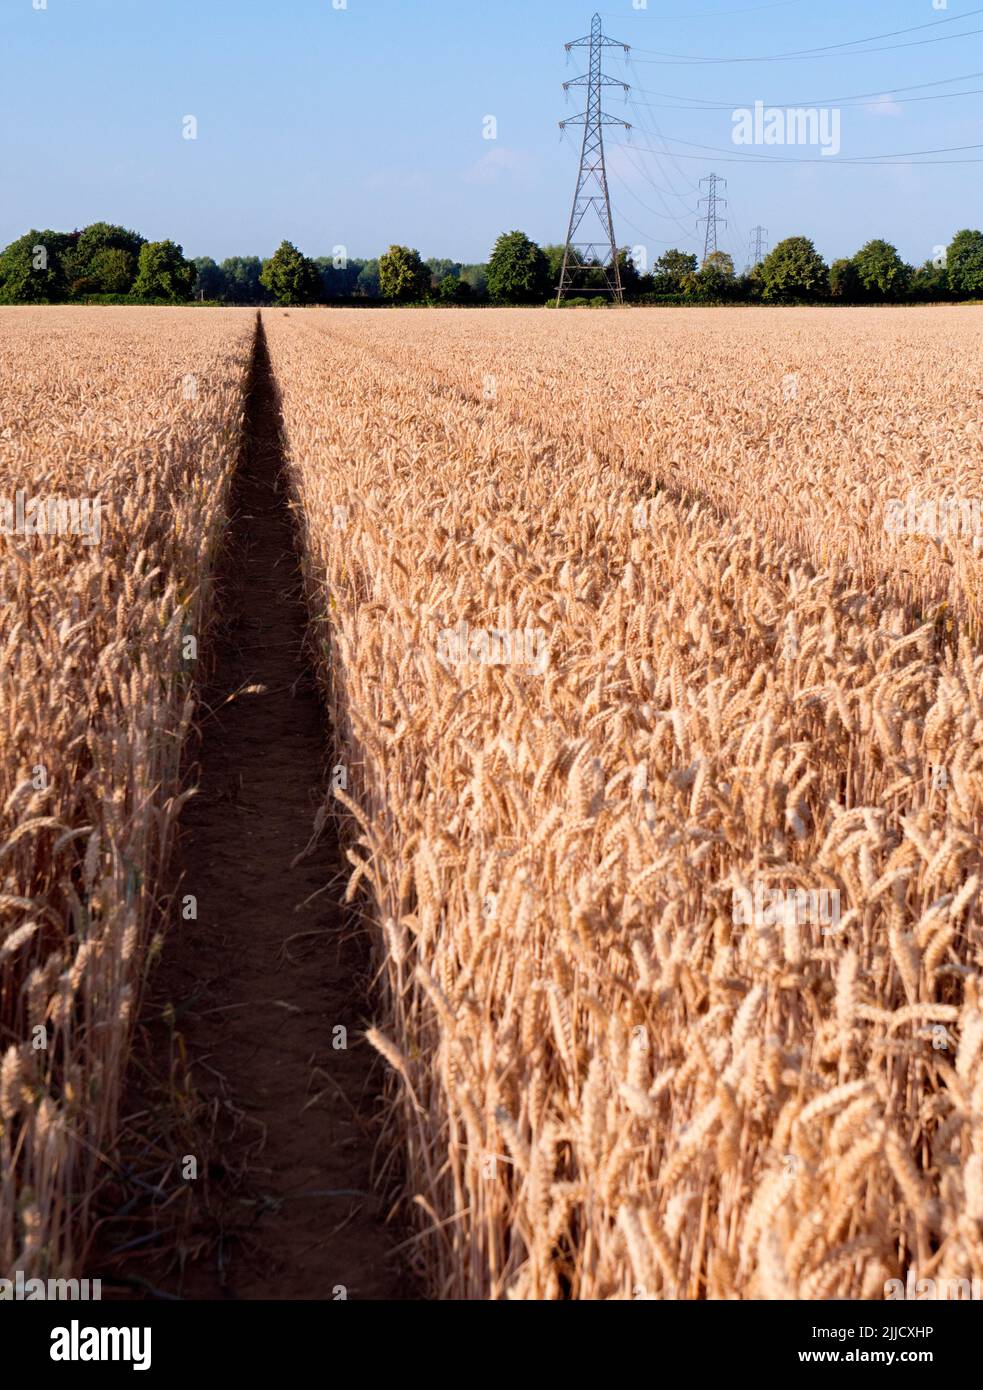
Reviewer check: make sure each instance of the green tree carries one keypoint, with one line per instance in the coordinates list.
(716, 276)
(368, 285)
(163, 273)
(32, 268)
(930, 282)
(554, 259)
(755, 282)
(964, 264)
(402, 275)
(518, 271)
(881, 271)
(670, 271)
(87, 260)
(844, 282)
(794, 270)
(631, 276)
(338, 281)
(442, 269)
(719, 263)
(477, 277)
(590, 273)
(209, 280)
(747, 287)
(454, 290)
(242, 282)
(113, 270)
(290, 277)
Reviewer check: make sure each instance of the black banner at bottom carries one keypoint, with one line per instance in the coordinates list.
(176, 1338)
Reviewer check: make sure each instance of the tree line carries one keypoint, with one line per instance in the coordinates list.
(104, 263)
(794, 272)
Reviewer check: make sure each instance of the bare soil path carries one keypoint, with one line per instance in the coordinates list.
(286, 1206)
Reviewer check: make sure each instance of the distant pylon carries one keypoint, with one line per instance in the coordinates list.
(713, 202)
(581, 258)
(760, 246)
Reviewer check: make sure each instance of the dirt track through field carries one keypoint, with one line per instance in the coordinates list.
(260, 982)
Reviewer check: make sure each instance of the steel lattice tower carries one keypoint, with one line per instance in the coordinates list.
(592, 197)
(760, 235)
(713, 201)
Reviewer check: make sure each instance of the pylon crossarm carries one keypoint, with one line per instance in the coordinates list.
(592, 120)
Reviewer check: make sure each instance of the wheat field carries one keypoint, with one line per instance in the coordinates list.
(140, 411)
(662, 738)
(610, 1078)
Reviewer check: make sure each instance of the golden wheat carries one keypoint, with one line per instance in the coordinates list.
(142, 411)
(611, 1082)
(615, 639)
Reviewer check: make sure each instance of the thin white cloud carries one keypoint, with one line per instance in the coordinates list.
(885, 106)
(397, 180)
(502, 163)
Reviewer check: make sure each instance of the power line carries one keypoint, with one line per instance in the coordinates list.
(688, 236)
(878, 97)
(642, 120)
(656, 134)
(850, 43)
(667, 215)
(713, 14)
(738, 241)
(825, 51)
(659, 241)
(873, 161)
(816, 101)
(662, 145)
(629, 151)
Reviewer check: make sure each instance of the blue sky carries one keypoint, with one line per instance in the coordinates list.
(363, 126)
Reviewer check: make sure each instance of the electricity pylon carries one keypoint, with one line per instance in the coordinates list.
(713, 201)
(760, 235)
(585, 257)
